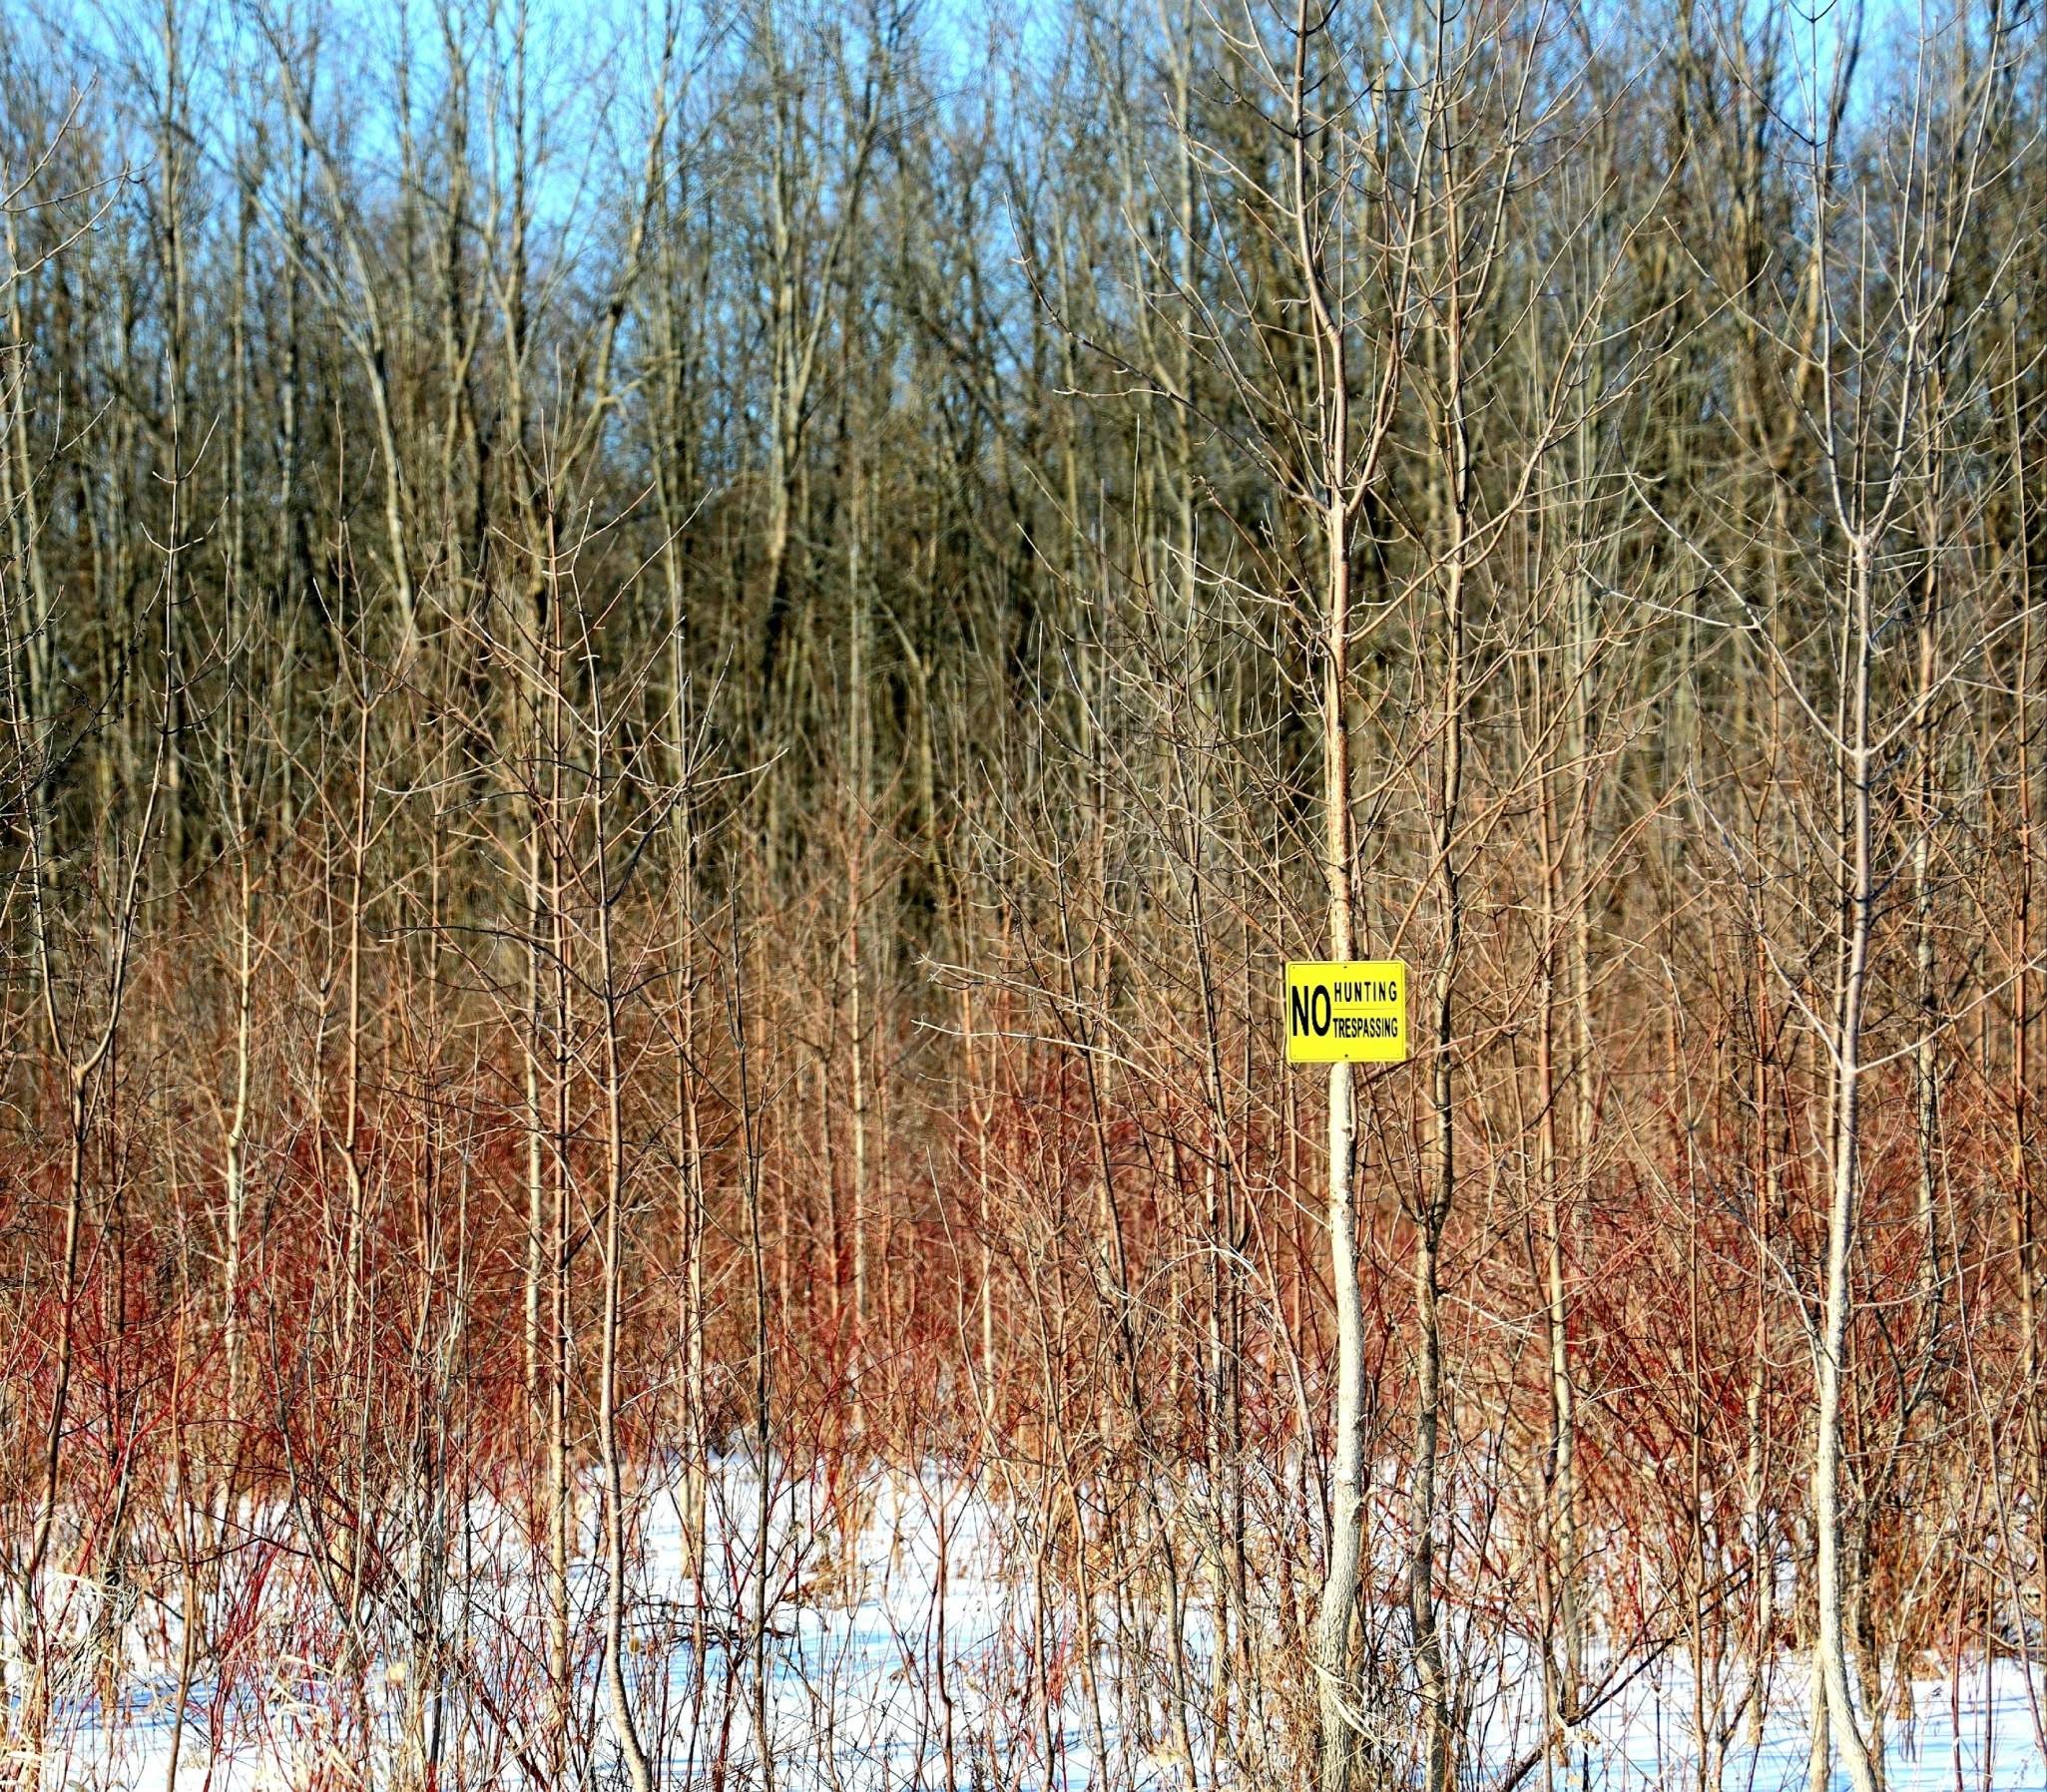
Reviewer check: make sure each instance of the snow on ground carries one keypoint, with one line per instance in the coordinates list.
(1974, 1734)
(913, 1655)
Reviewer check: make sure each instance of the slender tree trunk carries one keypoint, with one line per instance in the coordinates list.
(1564, 1668)
(1347, 1472)
(1840, 1225)
(624, 1728)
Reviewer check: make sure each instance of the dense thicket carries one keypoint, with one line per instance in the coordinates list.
(675, 686)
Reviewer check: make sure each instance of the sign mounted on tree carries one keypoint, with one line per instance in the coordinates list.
(1348, 1014)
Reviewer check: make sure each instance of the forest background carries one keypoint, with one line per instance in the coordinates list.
(675, 685)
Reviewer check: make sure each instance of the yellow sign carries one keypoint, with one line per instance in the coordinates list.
(1348, 1014)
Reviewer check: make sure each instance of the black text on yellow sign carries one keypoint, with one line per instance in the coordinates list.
(1348, 1014)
